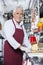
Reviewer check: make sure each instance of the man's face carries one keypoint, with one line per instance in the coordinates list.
(18, 14)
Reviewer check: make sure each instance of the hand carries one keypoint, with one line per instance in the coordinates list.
(24, 49)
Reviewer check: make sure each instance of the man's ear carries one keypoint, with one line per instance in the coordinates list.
(0, 26)
(13, 14)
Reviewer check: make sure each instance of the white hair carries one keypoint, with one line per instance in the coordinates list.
(18, 6)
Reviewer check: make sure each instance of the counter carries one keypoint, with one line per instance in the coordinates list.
(38, 53)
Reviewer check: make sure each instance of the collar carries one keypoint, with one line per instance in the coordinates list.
(20, 24)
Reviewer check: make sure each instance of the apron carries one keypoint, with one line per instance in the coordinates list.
(12, 56)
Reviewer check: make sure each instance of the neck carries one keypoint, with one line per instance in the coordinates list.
(16, 21)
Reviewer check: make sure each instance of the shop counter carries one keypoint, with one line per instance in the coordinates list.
(38, 53)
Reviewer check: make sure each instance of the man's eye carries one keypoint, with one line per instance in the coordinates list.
(17, 13)
(21, 13)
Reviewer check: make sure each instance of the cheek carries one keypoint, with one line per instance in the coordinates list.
(18, 17)
(15, 16)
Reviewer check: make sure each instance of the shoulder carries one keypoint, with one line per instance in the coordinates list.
(24, 29)
(8, 26)
(8, 23)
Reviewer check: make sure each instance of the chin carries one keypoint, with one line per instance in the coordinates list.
(18, 21)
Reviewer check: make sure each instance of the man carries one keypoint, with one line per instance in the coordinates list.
(16, 39)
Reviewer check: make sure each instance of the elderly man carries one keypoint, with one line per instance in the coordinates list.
(16, 39)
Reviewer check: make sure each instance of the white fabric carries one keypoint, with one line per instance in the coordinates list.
(9, 30)
(26, 40)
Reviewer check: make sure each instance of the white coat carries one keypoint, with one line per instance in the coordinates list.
(9, 30)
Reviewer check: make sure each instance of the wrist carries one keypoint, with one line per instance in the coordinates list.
(19, 47)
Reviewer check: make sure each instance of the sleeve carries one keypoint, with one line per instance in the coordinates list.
(9, 30)
(26, 41)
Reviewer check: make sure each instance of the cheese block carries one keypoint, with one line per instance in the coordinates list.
(35, 47)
